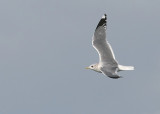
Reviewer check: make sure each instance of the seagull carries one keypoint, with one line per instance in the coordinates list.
(107, 65)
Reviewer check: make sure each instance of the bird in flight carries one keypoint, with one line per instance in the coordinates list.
(107, 65)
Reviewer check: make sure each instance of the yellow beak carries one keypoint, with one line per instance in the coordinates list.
(87, 68)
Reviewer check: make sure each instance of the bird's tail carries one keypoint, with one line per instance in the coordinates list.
(121, 67)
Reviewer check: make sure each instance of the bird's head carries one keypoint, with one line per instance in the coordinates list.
(94, 67)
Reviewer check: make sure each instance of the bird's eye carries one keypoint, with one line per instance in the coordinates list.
(92, 66)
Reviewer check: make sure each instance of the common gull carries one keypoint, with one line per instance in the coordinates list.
(107, 65)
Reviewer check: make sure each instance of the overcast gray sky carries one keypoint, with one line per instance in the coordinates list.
(45, 45)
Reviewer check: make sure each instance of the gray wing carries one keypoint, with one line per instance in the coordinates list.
(106, 55)
(107, 61)
(110, 71)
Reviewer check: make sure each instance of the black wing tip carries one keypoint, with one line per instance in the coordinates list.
(103, 21)
(104, 16)
(115, 77)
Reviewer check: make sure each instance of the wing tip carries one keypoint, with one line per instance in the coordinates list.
(104, 16)
(103, 21)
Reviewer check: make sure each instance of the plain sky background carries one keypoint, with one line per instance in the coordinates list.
(46, 44)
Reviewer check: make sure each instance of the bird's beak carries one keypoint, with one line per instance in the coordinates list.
(87, 68)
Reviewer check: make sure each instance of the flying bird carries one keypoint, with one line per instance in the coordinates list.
(107, 65)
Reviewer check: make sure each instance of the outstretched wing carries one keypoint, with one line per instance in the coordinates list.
(106, 55)
(110, 71)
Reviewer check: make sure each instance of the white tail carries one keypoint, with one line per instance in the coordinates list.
(121, 67)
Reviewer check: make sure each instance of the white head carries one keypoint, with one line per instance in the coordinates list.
(94, 67)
